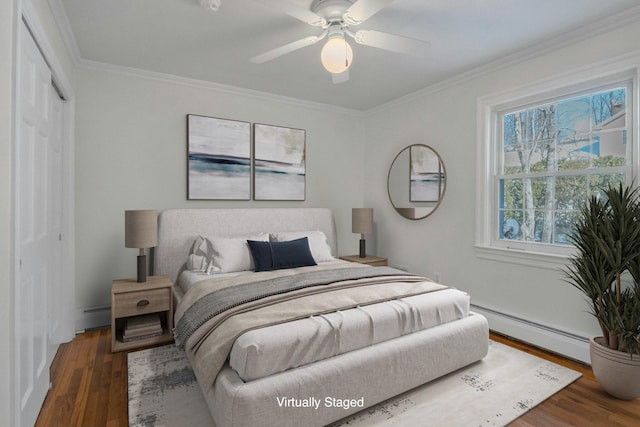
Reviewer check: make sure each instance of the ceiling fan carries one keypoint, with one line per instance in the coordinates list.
(335, 18)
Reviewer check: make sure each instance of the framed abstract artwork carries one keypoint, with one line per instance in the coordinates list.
(427, 177)
(279, 163)
(219, 159)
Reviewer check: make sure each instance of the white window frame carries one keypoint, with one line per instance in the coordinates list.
(488, 245)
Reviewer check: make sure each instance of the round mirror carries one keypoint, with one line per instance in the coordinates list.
(416, 181)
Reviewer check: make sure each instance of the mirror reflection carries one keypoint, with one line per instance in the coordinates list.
(417, 181)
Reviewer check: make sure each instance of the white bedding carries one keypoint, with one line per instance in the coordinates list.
(189, 278)
(269, 350)
(259, 353)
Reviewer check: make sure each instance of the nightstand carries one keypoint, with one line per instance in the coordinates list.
(130, 299)
(375, 261)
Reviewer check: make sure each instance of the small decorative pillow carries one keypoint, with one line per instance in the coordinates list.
(317, 242)
(269, 256)
(231, 254)
(199, 258)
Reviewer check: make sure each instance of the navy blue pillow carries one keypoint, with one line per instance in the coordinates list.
(269, 256)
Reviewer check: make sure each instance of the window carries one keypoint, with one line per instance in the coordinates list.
(547, 154)
(553, 156)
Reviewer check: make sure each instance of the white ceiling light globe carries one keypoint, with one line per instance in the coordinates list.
(336, 55)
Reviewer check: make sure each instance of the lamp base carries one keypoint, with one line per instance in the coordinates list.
(142, 268)
(363, 253)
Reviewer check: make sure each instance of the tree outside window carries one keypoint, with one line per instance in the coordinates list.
(553, 157)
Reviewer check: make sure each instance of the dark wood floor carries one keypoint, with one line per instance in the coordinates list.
(90, 389)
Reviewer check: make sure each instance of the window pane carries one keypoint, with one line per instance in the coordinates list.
(609, 148)
(523, 126)
(564, 221)
(510, 222)
(575, 153)
(543, 156)
(511, 163)
(511, 194)
(608, 109)
(528, 226)
(541, 190)
(529, 140)
(543, 231)
(509, 130)
(577, 159)
(599, 183)
(510, 146)
(574, 118)
(571, 192)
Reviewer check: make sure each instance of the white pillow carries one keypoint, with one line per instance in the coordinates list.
(200, 256)
(320, 249)
(230, 254)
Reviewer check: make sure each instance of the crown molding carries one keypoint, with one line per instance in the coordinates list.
(219, 87)
(60, 15)
(583, 33)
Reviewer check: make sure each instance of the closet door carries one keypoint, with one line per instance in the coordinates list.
(38, 195)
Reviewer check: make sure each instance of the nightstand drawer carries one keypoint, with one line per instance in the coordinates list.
(142, 302)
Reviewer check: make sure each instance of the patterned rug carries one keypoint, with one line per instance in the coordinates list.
(493, 392)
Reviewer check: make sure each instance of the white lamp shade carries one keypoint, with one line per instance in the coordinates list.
(362, 220)
(336, 55)
(140, 229)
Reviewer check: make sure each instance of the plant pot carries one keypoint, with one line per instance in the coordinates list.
(617, 372)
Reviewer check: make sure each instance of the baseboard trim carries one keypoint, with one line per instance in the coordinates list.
(547, 337)
(92, 317)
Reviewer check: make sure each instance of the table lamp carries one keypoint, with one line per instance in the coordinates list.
(141, 231)
(362, 222)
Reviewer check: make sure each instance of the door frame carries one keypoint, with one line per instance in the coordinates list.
(64, 312)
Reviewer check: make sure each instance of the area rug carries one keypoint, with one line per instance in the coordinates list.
(492, 392)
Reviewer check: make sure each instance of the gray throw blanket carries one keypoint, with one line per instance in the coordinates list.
(218, 301)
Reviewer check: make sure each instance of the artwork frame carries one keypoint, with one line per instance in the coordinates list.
(426, 174)
(279, 163)
(219, 161)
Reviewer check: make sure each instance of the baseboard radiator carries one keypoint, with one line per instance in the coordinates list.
(547, 337)
(92, 317)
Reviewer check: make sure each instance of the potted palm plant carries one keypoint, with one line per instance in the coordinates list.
(606, 268)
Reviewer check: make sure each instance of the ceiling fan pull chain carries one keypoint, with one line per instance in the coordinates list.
(346, 56)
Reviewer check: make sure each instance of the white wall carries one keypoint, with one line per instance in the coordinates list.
(131, 147)
(444, 242)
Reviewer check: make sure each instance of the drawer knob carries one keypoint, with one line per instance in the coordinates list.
(143, 303)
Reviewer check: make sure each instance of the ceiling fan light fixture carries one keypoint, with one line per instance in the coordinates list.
(336, 55)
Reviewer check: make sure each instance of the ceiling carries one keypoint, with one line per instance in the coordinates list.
(179, 37)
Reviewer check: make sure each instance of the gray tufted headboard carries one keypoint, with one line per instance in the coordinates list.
(178, 228)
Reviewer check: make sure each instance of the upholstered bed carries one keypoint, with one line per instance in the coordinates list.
(312, 343)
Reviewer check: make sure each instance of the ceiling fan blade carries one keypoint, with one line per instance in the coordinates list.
(287, 48)
(392, 42)
(340, 77)
(362, 10)
(298, 12)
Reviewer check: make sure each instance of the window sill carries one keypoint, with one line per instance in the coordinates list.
(522, 257)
